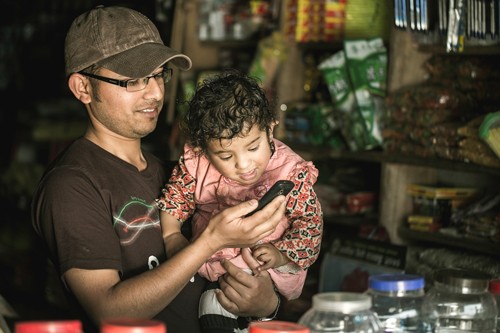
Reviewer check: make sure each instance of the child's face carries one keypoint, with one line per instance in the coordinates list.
(242, 159)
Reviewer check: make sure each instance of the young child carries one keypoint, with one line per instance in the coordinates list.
(231, 156)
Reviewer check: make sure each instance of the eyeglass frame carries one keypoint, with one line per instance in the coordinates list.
(165, 74)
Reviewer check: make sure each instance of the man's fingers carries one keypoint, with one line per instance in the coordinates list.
(244, 208)
(265, 221)
(226, 302)
(233, 272)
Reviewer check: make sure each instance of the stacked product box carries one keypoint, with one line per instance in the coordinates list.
(315, 20)
(434, 204)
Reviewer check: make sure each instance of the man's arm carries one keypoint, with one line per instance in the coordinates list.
(104, 295)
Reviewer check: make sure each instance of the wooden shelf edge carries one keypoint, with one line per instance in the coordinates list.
(474, 50)
(351, 220)
(477, 245)
(322, 153)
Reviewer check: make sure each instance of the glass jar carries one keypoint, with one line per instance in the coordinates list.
(397, 300)
(459, 301)
(495, 291)
(276, 326)
(341, 312)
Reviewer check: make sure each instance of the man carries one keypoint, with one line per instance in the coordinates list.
(94, 207)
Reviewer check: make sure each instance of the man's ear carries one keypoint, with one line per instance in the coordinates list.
(80, 87)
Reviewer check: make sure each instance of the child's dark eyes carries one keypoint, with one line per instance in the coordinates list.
(226, 158)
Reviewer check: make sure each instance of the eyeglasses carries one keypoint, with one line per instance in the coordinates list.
(135, 84)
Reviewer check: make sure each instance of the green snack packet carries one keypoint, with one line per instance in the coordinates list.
(336, 77)
(367, 66)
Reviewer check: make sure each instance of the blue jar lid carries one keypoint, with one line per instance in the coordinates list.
(396, 282)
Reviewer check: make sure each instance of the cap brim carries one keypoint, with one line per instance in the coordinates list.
(143, 59)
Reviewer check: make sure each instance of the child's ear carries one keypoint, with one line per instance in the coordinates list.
(271, 128)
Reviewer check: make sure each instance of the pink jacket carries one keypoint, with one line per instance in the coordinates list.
(298, 233)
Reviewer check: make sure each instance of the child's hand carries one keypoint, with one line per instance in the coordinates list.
(270, 256)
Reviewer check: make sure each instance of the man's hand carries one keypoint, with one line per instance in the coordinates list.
(229, 228)
(270, 256)
(244, 294)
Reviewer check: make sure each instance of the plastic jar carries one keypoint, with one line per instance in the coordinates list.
(459, 301)
(276, 326)
(495, 291)
(397, 300)
(130, 325)
(51, 326)
(341, 312)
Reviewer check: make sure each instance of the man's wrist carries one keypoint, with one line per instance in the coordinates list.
(274, 314)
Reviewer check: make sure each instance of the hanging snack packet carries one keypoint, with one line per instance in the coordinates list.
(367, 66)
(337, 79)
(456, 27)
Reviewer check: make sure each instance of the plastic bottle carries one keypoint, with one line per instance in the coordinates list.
(341, 312)
(459, 301)
(495, 291)
(54, 326)
(130, 325)
(397, 300)
(276, 326)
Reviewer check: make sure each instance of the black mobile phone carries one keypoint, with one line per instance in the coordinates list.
(281, 187)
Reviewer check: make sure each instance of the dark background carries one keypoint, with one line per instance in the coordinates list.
(39, 117)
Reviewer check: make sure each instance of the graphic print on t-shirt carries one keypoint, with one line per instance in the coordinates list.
(135, 217)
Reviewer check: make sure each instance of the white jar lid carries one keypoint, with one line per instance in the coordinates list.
(344, 302)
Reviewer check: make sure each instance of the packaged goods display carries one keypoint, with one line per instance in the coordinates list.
(481, 218)
(456, 24)
(233, 20)
(313, 124)
(430, 260)
(316, 21)
(313, 21)
(441, 117)
(358, 26)
(433, 205)
(489, 131)
(397, 301)
(356, 79)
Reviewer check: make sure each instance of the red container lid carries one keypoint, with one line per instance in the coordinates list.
(55, 326)
(495, 286)
(276, 326)
(130, 325)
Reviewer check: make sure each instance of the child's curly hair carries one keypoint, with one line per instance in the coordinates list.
(224, 106)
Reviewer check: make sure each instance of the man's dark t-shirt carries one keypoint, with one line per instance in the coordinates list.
(95, 211)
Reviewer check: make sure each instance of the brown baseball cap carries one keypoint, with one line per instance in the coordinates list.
(119, 39)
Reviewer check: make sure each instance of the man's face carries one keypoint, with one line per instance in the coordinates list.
(131, 115)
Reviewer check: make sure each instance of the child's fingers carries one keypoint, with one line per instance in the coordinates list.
(250, 259)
